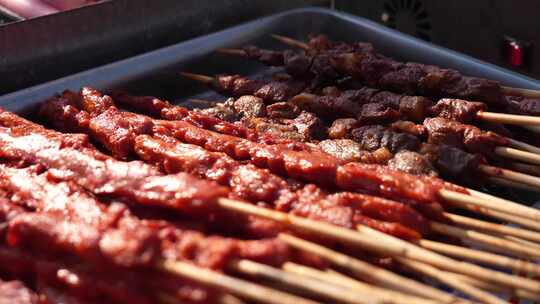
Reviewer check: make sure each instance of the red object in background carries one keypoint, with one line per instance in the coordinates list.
(28, 8)
(515, 54)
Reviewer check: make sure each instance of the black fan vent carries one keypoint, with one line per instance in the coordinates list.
(408, 16)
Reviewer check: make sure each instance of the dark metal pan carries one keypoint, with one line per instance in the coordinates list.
(156, 72)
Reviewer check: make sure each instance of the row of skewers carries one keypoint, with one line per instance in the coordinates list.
(113, 206)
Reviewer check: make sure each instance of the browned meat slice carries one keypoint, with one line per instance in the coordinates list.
(403, 79)
(522, 105)
(377, 113)
(457, 109)
(448, 132)
(408, 127)
(222, 110)
(328, 106)
(414, 108)
(452, 162)
(349, 150)
(283, 109)
(341, 128)
(412, 162)
(249, 106)
(272, 58)
(450, 83)
(309, 126)
(374, 137)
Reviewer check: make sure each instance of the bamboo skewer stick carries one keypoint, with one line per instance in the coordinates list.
(511, 184)
(166, 298)
(503, 216)
(514, 176)
(236, 286)
(522, 241)
(451, 281)
(364, 270)
(523, 294)
(315, 287)
(510, 175)
(330, 277)
(506, 206)
(494, 228)
(516, 154)
(510, 119)
(444, 263)
(524, 168)
(198, 77)
(230, 299)
(478, 256)
(520, 92)
(292, 42)
(507, 246)
(523, 146)
(230, 51)
(535, 129)
(392, 246)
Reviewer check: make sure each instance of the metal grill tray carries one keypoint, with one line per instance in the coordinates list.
(156, 72)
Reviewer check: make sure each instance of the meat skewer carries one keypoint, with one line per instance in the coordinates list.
(320, 43)
(222, 202)
(387, 73)
(175, 157)
(25, 229)
(206, 138)
(372, 112)
(416, 106)
(420, 165)
(167, 154)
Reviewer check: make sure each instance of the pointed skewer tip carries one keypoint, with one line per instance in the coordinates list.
(198, 77)
(291, 42)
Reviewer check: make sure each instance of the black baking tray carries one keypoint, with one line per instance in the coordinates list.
(156, 72)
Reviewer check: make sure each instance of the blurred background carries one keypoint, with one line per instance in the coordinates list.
(41, 40)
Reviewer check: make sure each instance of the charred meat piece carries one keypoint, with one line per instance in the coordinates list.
(374, 137)
(377, 113)
(445, 82)
(408, 127)
(249, 106)
(222, 110)
(246, 181)
(269, 91)
(328, 106)
(412, 163)
(309, 126)
(457, 109)
(443, 131)
(349, 150)
(341, 128)
(284, 110)
(271, 58)
(522, 105)
(452, 162)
